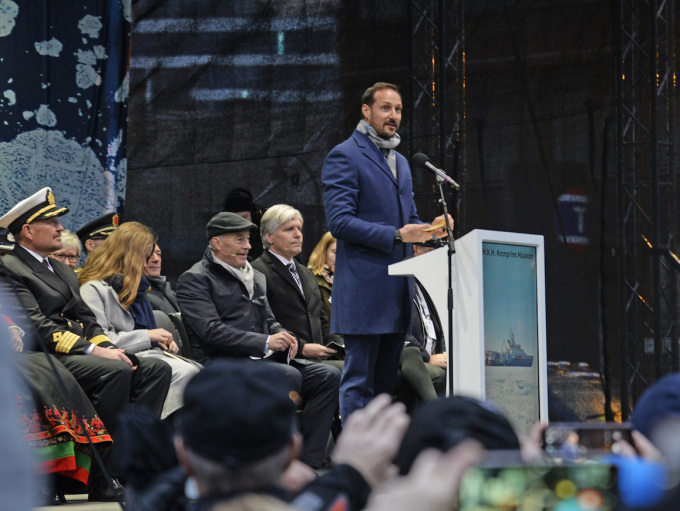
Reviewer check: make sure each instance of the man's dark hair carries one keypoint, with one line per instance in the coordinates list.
(369, 95)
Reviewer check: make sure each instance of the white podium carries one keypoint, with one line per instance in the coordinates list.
(499, 336)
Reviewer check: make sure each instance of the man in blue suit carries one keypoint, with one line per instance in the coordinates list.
(368, 197)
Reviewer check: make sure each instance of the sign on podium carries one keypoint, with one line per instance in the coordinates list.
(499, 335)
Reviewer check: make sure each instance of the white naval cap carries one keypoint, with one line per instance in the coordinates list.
(36, 207)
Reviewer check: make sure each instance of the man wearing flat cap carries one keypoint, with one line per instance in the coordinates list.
(226, 314)
(50, 292)
(94, 233)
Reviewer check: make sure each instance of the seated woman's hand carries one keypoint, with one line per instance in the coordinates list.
(162, 337)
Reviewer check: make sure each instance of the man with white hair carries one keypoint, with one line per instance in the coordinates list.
(292, 289)
(225, 311)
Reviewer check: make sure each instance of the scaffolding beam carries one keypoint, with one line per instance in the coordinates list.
(436, 102)
(646, 194)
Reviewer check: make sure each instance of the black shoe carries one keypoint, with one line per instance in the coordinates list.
(52, 496)
(101, 490)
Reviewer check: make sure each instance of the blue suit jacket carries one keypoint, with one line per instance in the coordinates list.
(364, 205)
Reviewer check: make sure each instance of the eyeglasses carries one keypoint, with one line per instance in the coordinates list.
(71, 258)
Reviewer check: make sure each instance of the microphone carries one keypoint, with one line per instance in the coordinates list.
(422, 161)
(226, 253)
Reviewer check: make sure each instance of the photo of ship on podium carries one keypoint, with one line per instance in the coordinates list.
(511, 331)
(499, 335)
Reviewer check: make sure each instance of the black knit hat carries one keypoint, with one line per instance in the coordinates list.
(443, 423)
(660, 401)
(237, 200)
(237, 412)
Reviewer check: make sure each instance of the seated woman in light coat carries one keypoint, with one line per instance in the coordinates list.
(113, 286)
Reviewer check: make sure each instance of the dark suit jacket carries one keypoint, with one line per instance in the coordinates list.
(302, 315)
(417, 335)
(364, 205)
(53, 303)
(161, 296)
(219, 316)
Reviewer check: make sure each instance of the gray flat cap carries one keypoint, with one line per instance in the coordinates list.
(224, 222)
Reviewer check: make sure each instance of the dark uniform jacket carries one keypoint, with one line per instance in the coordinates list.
(53, 303)
(302, 315)
(219, 316)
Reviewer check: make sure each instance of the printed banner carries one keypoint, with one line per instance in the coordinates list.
(63, 103)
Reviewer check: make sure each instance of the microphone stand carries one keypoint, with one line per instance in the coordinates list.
(449, 295)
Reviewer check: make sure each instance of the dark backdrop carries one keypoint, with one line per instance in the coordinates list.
(255, 94)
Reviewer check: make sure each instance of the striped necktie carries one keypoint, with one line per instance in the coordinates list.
(294, 273)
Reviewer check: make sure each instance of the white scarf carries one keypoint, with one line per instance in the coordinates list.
(382, 143)
(245, 274)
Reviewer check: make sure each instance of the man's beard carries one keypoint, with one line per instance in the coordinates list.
(383, 132)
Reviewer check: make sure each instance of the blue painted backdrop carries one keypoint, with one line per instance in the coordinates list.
(63, 103)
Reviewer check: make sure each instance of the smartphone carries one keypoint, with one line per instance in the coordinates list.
(573, 441)
(339, 348)
(591, 487)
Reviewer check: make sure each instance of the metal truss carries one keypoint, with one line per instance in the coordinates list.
(646, 194)
(436, 106)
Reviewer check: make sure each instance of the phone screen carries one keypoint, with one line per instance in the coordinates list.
(591, 487)
(579, 441)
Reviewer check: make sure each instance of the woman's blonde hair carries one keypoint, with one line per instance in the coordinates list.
(124, 252)
(318, 258)
(70, 240)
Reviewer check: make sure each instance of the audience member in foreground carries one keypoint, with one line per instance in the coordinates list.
(661, 401)
(114, 287)
(19, 482)
(656, 419)
(49, 290)
(433, 482)
(251, 403)
(369, 443)
(70, 250)
(443, 423)
(145, 454)
(244, 469)
(226, 314)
